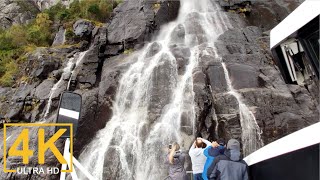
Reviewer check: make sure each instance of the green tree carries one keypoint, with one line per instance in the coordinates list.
(94, 9)
(63, 15)
(43, 21)
(17, 34)
(75, 9)
(106, 8)
(40, 32)
(5, 41)
(53, 11)
(34, 35)
(8, 78)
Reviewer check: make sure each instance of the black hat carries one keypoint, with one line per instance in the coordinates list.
(221, 142)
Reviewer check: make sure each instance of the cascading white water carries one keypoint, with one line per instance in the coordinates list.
(64, 36)
(251, 133)
(132, 144)
(68, 70)
(77, 63)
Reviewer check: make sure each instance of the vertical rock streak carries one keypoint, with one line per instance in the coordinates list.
(64, 36)
(251, 133)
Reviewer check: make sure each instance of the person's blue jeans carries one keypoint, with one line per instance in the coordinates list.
(197, 176)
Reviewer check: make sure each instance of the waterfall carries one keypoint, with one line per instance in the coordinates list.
(67, 72)
(154, 105)
(64, 36)
(251, 133)
(53, 90)
(77, 63)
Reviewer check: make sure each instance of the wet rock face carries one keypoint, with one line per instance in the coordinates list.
(267, 14)
(97, 102)
(182, 55)
(243, 76)
(83, 28)
(162, 85)
(42, 62)
(87, 126)
(45, 68)
(263, 14)
(86, 73)
(97, 80)
(26, 101)
(16, 12)
(136, 20)
(279, 108)
(153, 49)
(59, 39)
(14, 109)
(41, 91)
(46, 4)
(178, 35)
(216, 78)
(112, 171)
(205, 122)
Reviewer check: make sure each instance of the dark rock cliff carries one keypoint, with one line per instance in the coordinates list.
(16, 12)
(279, 108)
(96, 78)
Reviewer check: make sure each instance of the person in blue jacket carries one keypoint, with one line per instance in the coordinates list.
(210, 152)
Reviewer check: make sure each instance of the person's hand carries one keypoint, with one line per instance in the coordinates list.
(200, 138)
(215, 144)
(174, 147)
(165, 149)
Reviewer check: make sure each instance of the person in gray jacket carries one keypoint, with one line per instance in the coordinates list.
(229, 166)
(176, 160)
(198, 159)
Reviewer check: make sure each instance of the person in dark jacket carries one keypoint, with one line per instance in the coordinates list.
(229, 166)
(176, 160)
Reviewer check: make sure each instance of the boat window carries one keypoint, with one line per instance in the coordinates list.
(309, 37)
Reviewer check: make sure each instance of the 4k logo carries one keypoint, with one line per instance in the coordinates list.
(43, 145)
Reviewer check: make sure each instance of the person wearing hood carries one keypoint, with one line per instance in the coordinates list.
(229, 166)
(198, 159)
